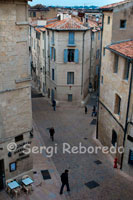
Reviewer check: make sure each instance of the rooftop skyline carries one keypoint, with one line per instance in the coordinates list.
(73, 2)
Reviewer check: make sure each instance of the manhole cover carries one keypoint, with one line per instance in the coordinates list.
(98, 162)
(93, 122)
(92, 184)
(45, 174)
(85, 138)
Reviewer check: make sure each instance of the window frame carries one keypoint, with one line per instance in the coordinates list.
(125, 23)
(116, 64)
(108, 19)
(10, 164)
(70, 78)
(117, 108)
(126, 70)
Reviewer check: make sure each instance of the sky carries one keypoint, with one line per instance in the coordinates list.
(73, 2)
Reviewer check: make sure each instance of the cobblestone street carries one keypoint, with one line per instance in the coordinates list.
(73, 126)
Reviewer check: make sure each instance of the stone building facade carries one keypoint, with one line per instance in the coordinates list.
(41, 12)
(68, 63)
(115, 74)
(15, 90)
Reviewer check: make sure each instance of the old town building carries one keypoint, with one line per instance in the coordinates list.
(15, 90)
(68, 63)
(115, 75)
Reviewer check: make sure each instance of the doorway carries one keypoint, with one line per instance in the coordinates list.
(2, 174)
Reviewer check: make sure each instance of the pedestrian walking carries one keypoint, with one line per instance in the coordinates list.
(93, 111)
(86, 110)
(52, 132)
(54, 105)
(64, 180)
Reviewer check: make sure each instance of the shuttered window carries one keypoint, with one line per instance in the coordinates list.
(70, 77)
(71, 55)
(71, 40)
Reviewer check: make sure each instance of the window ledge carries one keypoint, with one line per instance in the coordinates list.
(71, 45)
(22, 23)
(122, 28)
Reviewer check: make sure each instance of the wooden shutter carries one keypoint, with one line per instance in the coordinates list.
(76, 56)
(65, 55)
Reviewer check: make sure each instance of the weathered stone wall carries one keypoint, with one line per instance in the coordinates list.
(124, 12)
(129, 144)
(15, 88)
(113, 83)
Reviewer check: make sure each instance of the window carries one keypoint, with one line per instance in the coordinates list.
(69, 97)
(114, 137)
(97, 54)
(116, 60)
(12, 167)
(126, 69)
(92, 35)
(70, 77)
(103, 51)
(123, 24)
(18, 138)
(108, 19)
(130, 160)
(38, 35)
(71, 55)
(71, 40)
(102, 79)
(117, 104)
(53, 74)
(52, 53)
(99, 35)
(34, 14)
(52, 39)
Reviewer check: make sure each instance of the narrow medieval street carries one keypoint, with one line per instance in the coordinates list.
(73, 126)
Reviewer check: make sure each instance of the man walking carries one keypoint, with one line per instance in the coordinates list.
(64, 180)
(86, 109)
(54, 105)
(52, 132)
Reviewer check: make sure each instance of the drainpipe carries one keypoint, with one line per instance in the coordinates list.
(99, 75)
(90, 71)
(45, 57)
(82, 62)
(126, 122)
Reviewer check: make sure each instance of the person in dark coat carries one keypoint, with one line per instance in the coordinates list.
(93, 111)
(64, 180)
(86, 110)
(54, 105)
(52, 132)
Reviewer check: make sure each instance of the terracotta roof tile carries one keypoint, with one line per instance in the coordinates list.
(114, 5)
(67, 24)
(124, 48)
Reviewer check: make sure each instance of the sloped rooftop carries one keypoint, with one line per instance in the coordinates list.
(111, 6)
(123, 48)
(67, 24)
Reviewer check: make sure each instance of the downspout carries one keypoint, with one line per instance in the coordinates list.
(99, 75)
(45, 57)
(82, 62)
(90, 71)
(126, 122)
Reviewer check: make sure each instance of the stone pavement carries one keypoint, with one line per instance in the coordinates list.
(73, 126)
(42, 189)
